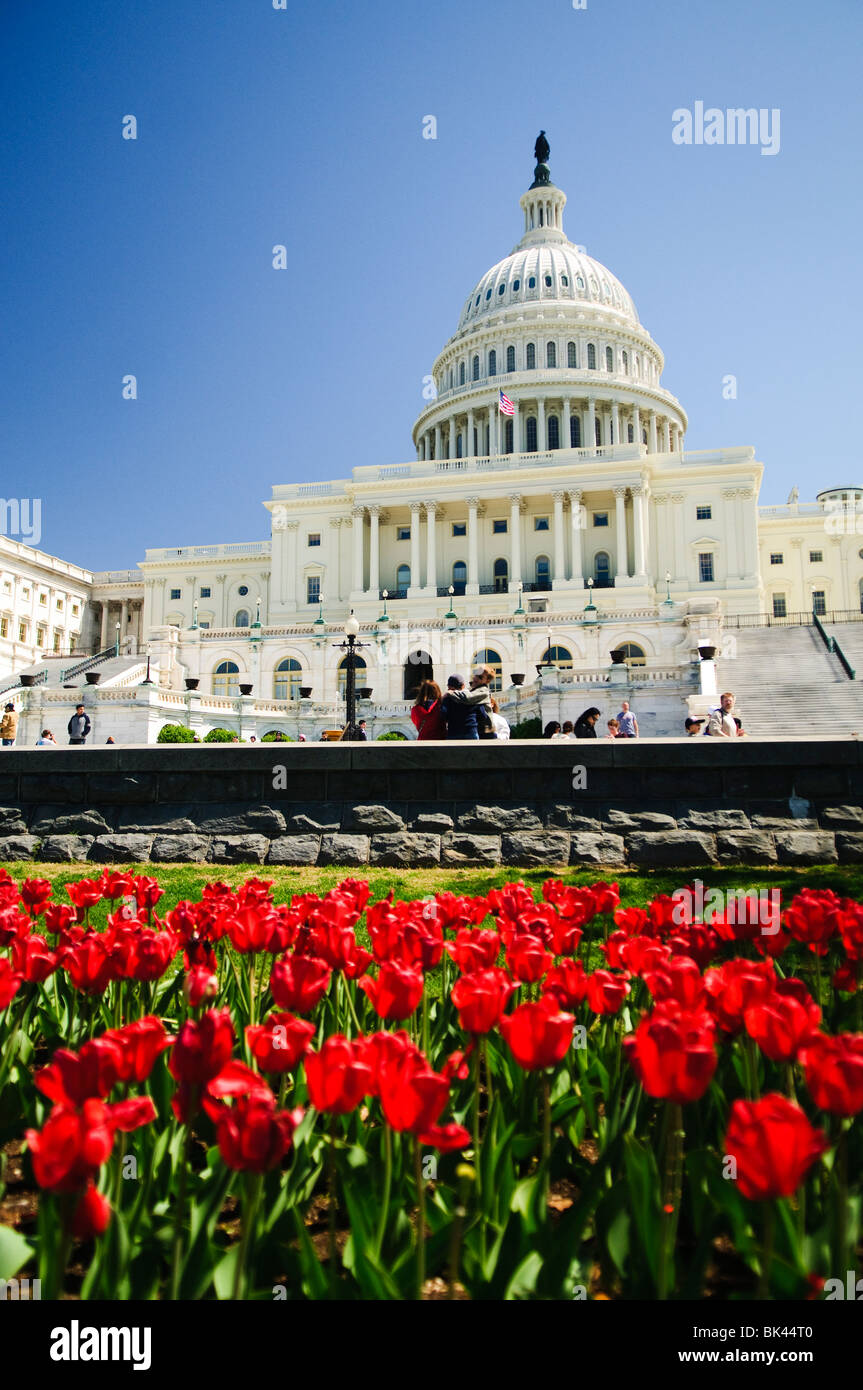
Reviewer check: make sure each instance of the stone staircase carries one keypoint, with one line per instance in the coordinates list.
(850, 638)
(787, 684)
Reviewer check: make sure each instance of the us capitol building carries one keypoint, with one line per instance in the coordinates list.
(551, 523)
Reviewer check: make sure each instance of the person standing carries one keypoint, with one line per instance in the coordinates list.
(627, 722)
(461, 715)
(46, 740)
(362, 732)
(585, 725)
(79, 725)
(8, 726)
(614, 729)
(427, 714)
(564, 734)
(721, 723)
(498, 723)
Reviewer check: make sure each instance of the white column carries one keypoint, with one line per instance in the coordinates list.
(733, 567)
(636, 424)
(358, 525)
(468, 451)
(451, 441)
(515, 541)
(292, 529)
(678, 529)
(749, 535)
(638, 499)
(516, 430)
(437, 441)
(493, 414)
(416, 575)
(472, 546)
(431, 552)
(653, 444)
(334, 583)
(375, 550)
(541, 439)
(559, 556)
(615, 422)
(666, 435)
(567, 416)
(591, 423)
(620, 531)
(103, 637)
(578, 514)
(663, 560)
(124, 617)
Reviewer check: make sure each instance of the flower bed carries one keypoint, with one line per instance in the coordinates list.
(501, 1098)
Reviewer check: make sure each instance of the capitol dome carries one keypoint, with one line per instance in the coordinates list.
(547, 274)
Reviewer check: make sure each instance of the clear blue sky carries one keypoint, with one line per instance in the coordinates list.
(304, 127)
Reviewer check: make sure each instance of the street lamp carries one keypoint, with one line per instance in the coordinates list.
(519, 619)
(146, 680)
(351, 646)
(194, 615)
(257, 622)
(117, 641)
(319, 626)
(451, 617)
(668, 598)
(590, 606)
(549, 639)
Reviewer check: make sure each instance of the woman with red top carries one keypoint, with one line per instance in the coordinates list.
(427, 713)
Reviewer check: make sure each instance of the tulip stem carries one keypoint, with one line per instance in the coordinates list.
(349, 995)
(421, 1217)
(254, 1182)
(767, 1254)
(179, 1220)
(546, 1134)
(331, 1214)
(672, 1143)
(388, 1182)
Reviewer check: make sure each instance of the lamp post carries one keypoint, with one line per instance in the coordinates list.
(146, 680)
(519, 619)
(117, 642)
(590, 606)
(194, 615)
(351, 646)
(668, 599)
(451, 618)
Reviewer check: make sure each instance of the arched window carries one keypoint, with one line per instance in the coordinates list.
(458, 445)
(225, 679)
(571, 355)
(609, 360)
(510, 359)
(550, 355)
(630, 434)
(644, 436)
(508, 436)
(530, 362)
(553, 432)
(601, 570)
(561, 657)
(591, 357)
(574, 432)
(487, 656)
(501, 576)
(531, 434)
(288, 679)
(475, 371)
(459, 576)
(461, 374)
(241, 618)
(625, 358)
(342, 674)
(633, 655)
(492, 362)
(597, 430)
(542, 571)
(403, 577)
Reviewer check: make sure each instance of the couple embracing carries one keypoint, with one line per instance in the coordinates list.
(460, 714)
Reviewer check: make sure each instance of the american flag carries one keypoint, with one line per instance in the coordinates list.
(505, 405)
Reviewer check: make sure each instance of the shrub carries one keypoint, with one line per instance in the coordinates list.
(392, 734)
(276, 736)
(527, 728)
(219, 736)
(175, 733)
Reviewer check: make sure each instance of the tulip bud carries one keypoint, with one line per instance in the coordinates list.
(200, 985)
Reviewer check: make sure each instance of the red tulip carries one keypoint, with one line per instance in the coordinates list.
(299, 983)
(92, 1215)
(538, 1033)
(605, 992)
(84, 894)
(396, 992)
(338, 946)
(338, 1076)
(202, 1048)
(481, 998)
(113, 885)
(381, 1049)
(811, 917)
(73, 1144)
(59, 917)
(72, 1078)
(779, 1025)
(672, 1053)
(140, 1044)
(834, 1072)
(10, 982)
(88, 964)
(32, 956)
(567, 983)
(474, 950)
(35, 894)
(279, 1044)
(527, 958)
(147, 892)
(773, 1145)
(735, 987)
(412, 1093)
(677, 978)
(253, 1136)
(200, 985)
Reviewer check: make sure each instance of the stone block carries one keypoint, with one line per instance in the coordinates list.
(587, 847)
(849, 847)
(65, 849)
(841, 818)
(17, 847)
(294, 849)
(240, 820)
(806, 846)
(530, 849)
(571, 818)
(344, 849)
(180, 849)
(671, 848)
(640, 820)
(239, 849)
(121, 849)
(165, 820)
(783, 823)
(497, 820)
(434, 822)
(195, 787)
(118, 789)
(70, 788)
(369, 820)
(56, 820)
(405, 851)
(714, 820)
(745, 847)
(12, 821)
(492, 786)
(470, 851)
(327, 815)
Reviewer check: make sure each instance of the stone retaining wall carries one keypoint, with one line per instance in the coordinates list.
(640, 803)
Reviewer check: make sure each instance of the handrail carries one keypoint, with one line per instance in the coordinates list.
(15, 684)
(833, 646)
(86, 665)
(825, 637)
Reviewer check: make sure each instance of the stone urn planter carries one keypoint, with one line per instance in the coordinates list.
(92, 677)
(27, 681)
(618, 657)
(246, 689)
(517, 678)
(364, 693)
(305, 692)
(706, 653)
(192, 683)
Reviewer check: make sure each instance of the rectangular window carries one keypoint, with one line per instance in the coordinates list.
(703, 513)
(22, 632)
(75, 610)
(60, 605)
(4, 627)
(403, 533)
(25, 593)
(705, 567)
(57, 637)
(175, 593)
(459, 528)
(313, 588)
(7, 586)
(540, 523)
(40, 637)
(819, 602)
(600, 518)
(43, 599)
(816, 557)
(776, 558)
(779, 606)
(499, 527)
(204, 625)
(205, 593)
(314, 538)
